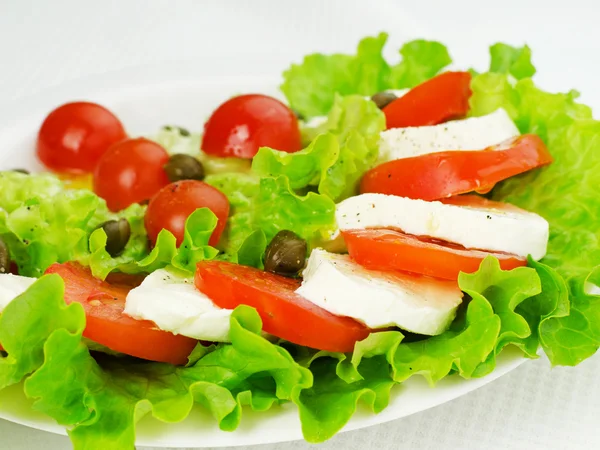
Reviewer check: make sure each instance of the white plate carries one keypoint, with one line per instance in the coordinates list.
(145, 99)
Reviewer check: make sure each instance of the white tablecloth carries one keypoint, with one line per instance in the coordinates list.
(48, 43)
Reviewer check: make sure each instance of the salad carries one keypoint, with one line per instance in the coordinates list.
(389, 221)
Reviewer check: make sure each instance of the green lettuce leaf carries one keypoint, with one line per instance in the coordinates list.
(564, 193)
(421, 60)
(194, 248)
(42, 222)
(102, 398)
(28, 321)
(512, 60)
(335, 161)
(269, 205)
(311, 87)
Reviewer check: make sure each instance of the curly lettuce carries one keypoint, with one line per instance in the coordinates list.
(335, 160)
(310, 87)
(43, 222)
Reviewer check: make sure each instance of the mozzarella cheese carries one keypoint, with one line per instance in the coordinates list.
(418, 304)
(475, 133)
(174, 304)
(511, 230)
(11, 286)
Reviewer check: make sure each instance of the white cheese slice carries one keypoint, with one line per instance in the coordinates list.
(509, 230)
(475, 133)
(11, 286)
(414, 303)
(175, 305)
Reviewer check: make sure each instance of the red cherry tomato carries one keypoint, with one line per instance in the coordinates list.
(391, 250)
(104, 302)
(444, 174)
(131, 171)
(284, 313)
(243, 124)
(173, 204)
(443, 97)
(75, 135)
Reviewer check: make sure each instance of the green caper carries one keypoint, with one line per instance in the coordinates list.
(182, 131)
(382, 99)
(117, 235)
(184, 167)
(4, 257)
(286, 254)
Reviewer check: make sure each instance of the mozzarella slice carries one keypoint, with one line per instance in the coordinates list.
(175, 305)
(511, 230)
(11, 286)
(418, 304)
(475, 133)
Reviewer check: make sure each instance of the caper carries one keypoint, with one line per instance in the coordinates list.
(382, 99)
(286, 254)
(298, 114)
(184, 167)
(182, 131)
(117, 235)
(4, 257)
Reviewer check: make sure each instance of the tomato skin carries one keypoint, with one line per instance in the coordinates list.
(444, 174)
(243, 124)
(174, 203)
(391, 250)
(284, 313)
(106, 324)
(130, 172)
(74, 136)
(441, 98)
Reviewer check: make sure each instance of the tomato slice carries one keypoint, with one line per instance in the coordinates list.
(443, 97)
(444, 174)
(284, 313)
(106, 324)
(385, 249)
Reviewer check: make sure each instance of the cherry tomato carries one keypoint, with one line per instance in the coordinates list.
(173, 204)
(243, 124)
(106, 324)
(390, 250)
(284, 313)
(443, 97)
(75, 135)
(444, 174)
(131, 171)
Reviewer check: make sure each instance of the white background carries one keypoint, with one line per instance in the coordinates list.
(43, 44)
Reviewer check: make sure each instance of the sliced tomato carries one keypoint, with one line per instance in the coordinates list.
(385, 249)
(437, 100)
(106, 324)
(444, 174)
(284, 313)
